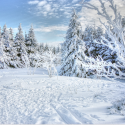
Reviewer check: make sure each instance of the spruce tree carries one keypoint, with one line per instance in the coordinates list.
(5, 32)
(41, 47)
(11, 36)
(2, 54)
(73, 51)
(7, 48)
(54, 50)
(31, 45)
(30, 41)
(46, 48)
(20, 49)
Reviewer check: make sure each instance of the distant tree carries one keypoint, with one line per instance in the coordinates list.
(41, 48)
(46, 48)
(54, 50)
(11, 36)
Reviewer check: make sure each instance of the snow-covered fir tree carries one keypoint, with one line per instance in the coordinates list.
(2, 54)
(11, 36)
(54, 50)
(31, 42)
(31, 45)
(41, 47)
(46, 48)
(73, 49)
(20, 49)
(58, 49)
(7, 48)
(5, 32)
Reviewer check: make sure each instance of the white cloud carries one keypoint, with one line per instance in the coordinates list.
(74, 1)
(42, 3)
(55, 9)
(47, 7)
(51, 28)
(33, 2)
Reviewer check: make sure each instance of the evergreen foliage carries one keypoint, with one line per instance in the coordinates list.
(20, 49)
(73, 52)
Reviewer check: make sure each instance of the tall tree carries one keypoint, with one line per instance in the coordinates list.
(73, 52)
(30, 41)
(20, 49)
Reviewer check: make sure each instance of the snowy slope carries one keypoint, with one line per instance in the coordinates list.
(39, 99)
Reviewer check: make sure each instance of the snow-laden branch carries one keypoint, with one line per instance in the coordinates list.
(116, 23)
(103, 69)
(117, 43)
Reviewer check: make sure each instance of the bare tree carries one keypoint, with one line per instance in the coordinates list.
(47, 61)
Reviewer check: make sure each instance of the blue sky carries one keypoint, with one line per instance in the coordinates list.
(50, 18)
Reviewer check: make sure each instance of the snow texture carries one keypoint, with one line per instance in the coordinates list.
(37, 99)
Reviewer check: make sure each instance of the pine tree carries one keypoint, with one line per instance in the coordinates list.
(58, 49)
(31, 45)
(20, 49)
(46, 48)
(2, 54)
(54, 50)
(11, 36)
(30, 41)
(7, 48)
(41, 47)
(5, 32)
(73, 53)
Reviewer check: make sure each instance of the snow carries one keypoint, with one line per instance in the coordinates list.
(38, 99)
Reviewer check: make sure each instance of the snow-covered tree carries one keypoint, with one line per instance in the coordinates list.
(46, 48)
(20, 49)
(54, 50)
(116, 33)
(5, 32)
(7, 48)
(31, 42)
(41, 47)
(2, 54)
(58, 49)
(31, 45)
(47, 61)
(73, 52)
(11, 36)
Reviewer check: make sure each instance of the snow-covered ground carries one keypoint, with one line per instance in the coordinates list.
(39, 99)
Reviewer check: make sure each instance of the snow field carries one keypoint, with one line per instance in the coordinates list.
(38, 99)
